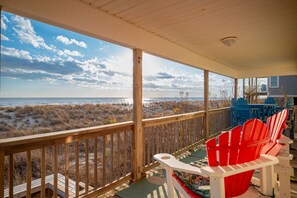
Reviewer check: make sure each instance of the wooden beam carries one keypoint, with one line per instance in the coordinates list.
(2, 174)
(206, 104)
(235, 88)
(256, 91)
(138, 166)
(243, 88)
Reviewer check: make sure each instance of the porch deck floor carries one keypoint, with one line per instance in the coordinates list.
(154, 186)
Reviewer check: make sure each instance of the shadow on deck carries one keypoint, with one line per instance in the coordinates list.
(154, 186)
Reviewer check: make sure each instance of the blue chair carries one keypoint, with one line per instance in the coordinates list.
(291, 118)
(270, 100)
(241, 101)
(243, 113)
(290, 103)
(270, 110)
(233, 102)
(233, 113)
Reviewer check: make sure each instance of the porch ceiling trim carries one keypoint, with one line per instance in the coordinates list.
(79, 17)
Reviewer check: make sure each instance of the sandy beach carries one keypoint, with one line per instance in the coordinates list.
(27, 120)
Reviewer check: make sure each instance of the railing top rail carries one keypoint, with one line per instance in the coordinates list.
(71, 135)
(212, 111)
(174, 118)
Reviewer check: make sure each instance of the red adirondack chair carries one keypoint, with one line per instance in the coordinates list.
(232, 158)
(276, 124)
(279, 146)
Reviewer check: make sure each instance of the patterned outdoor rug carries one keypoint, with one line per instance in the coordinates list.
(154, 184)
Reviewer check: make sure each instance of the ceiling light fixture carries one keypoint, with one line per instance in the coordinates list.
(229, 41)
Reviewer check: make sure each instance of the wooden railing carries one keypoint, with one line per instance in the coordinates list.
(92, 161)
(84, 162)
(219, 120)
(172, 134)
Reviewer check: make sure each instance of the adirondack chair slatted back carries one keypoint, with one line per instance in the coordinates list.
(241, 144)
(233, 112)
(270, 100)
(241, 101)
(290, 103)
(233, 102)
(276, 124)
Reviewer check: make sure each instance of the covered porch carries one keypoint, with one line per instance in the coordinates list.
(260, 43)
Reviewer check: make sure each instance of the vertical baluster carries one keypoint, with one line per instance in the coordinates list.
(112, 159)
(191, 131)
(169, 138)
(171, 132)
(119, 156)
(144, 145)
(96, 163)
(10, 178)
(77, 169)
(29, 173)
(87, 165)
(180, 141)
(188, 132)
(55, 170)
(153, 135)
(43, 172)
(157, 138)
(66, 170)
(196, 129)
(182, 134)
(125, 153)
(104, 161)
(149, 145)
(163, 139)
(174, 137)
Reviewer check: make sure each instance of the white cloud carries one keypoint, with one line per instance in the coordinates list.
(16, 53)
(67, 52)
(26, 33)
(68, 41)
(3, 20)
(4, 38)
(44, 59)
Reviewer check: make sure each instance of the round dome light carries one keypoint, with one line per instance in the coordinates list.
(229, 41)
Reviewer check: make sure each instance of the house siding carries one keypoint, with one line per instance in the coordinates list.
(287, 85)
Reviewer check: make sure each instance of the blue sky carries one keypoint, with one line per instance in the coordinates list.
(40, 60)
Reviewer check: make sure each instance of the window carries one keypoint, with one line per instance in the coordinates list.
(274, 82)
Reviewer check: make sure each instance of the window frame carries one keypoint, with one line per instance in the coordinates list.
(277, 82)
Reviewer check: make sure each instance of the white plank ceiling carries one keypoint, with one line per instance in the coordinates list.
(266, 29)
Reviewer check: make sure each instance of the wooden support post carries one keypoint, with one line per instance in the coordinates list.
(235, 88)
(2, 159)
(256, 91)
(206, 104)
(243, 87)
(138, 165)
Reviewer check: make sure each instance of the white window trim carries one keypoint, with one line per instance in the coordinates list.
(277, 86)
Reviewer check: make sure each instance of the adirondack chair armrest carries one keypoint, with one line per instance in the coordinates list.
(284, 140)
(170, 162)
(225, 171)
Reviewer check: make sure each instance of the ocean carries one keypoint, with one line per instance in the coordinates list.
(12, 102)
